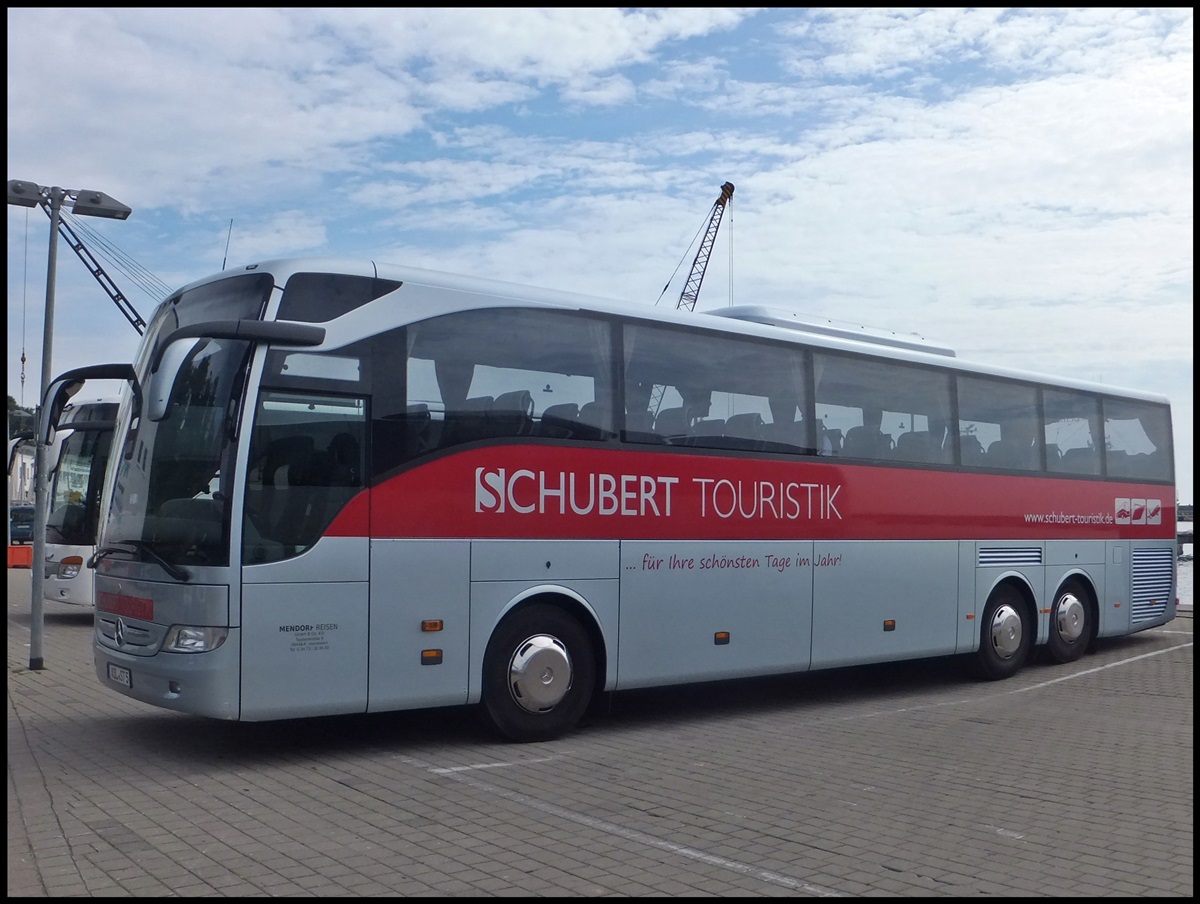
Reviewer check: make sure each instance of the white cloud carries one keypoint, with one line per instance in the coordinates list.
(933, 170)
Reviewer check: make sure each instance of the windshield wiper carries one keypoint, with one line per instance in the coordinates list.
(103, 553)
(145, 551)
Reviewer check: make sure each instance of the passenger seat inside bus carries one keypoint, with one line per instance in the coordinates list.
(558, 421)
(917, 445)
(595, 421)
(640, 422)
(286, 458)
(867, 442)
(269, 500)
(402, 436)
(468, 422)
(971, 450)
(745, 426)
(786, 433)
(512, 413)
(343, 461)
(709, 426)
(1080, 461)
(673, 424)
(1013, 454)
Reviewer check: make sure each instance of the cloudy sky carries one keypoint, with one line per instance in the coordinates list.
(1014, 183)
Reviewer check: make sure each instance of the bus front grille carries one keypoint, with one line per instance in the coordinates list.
(127, 637)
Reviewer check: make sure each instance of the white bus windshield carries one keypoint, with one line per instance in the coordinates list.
(171, 496)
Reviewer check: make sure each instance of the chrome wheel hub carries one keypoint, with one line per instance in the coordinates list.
(1069, 617)
(1006, 631)
(539, 673)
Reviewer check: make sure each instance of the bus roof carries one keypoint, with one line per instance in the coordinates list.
(753, 320)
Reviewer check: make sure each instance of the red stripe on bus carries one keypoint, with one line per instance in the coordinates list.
(140, 607)
(571, 492)
(353, 520)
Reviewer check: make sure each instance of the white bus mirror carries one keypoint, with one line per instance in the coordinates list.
(53, 405)
(68, 384)
(162, 380)
(170, 352)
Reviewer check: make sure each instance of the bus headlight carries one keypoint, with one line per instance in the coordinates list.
(193, 639)
(69, 567)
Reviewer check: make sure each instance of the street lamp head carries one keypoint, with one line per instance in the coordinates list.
(97, 204)
(24, 194)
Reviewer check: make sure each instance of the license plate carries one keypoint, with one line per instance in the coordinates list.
(120, 674)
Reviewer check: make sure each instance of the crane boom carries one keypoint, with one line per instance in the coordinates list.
(98, 273)
(691, 289)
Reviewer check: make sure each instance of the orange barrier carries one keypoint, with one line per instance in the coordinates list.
(20, 556)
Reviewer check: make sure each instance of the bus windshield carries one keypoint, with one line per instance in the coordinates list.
(75, 488)
(171, 496)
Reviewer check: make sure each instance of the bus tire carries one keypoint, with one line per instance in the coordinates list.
(1005, 635)
(1071, 623)
(538, 674)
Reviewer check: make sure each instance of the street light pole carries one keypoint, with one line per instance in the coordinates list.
(40, 483)
(85, 203)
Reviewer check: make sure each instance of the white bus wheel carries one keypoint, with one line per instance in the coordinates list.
(1070, 623)
(1005, 634)
(538, 674)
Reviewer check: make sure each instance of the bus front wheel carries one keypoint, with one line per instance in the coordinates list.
(538, 674)
(1006, 635)
(1070, 623)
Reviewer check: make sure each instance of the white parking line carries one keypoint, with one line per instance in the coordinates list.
(460, 773)
(641, 838)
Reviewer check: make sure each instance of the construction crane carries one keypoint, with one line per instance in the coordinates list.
(691, 289)
(106, 283)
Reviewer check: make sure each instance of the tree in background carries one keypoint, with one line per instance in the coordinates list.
(20, 420)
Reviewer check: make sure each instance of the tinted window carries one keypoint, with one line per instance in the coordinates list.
(318, 297)
(1137, 437)
(307, 460)
(1073, 432)
(691, 388)
(883, 410)
(999, 426)
(494, 373)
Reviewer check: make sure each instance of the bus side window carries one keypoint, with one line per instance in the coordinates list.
(713, 391)
(495, 373)
(1002, 415)
(306, 463)
(1137, 437)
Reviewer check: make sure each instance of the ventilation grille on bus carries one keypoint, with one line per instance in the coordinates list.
(1152, 572)
(1010, 556)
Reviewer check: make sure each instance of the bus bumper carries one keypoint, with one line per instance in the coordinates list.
(203, 684)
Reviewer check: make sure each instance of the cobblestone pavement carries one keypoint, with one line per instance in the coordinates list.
(888, 780)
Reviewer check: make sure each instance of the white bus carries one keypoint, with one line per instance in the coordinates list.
(78, 459)
(355, 487)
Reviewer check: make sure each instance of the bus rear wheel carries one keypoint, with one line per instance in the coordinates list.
(1070, 623)
(538, 674)
(1005, 635)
